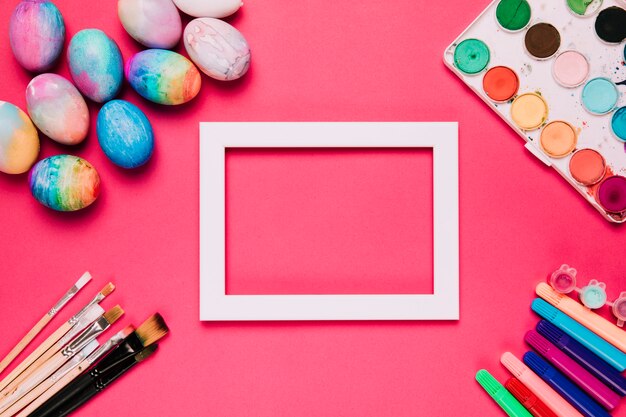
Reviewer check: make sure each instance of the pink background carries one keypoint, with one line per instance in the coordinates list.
(320, 60)
(329, 221)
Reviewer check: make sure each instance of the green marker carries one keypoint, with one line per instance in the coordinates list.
(500, 395)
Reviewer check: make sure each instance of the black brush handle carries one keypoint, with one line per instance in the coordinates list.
(127, 349)
(88, 379)
(93, 388)
(130, 346)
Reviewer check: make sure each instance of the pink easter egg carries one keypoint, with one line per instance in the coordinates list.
(36, 34)
(57, 109)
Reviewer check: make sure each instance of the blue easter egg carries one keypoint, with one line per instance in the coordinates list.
(125, 134)
(96, 65)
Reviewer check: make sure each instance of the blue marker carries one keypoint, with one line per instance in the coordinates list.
(612, 355)
(583, 403)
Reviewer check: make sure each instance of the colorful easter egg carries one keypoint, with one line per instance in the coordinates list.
(125, 134)
(19, 141)
(36, 34)
(57, 109)
(153, 23)
(163, 76)
(96, 65)
(208, 8)
(64, 182)
(218, 49)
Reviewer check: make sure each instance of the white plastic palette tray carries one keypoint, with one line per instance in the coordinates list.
(577, 33)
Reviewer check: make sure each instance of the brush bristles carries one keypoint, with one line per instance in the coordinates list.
(546, 292)
(146, 353)
(127, 331)
(514, 365)
(83, 280)
(152, 330)
(108, 289)
(113, 314)
(488, 382)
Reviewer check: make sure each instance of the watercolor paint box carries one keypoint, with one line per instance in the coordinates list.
(554, 71)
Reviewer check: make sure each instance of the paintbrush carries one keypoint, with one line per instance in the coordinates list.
(150, 331)
(84, 279)
(72, 324)
(90, 315)
(59, 358)
(61, 382)
(69, 365)
(89, 385)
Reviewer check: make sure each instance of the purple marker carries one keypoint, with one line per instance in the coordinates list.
(592, 363)
(596, 389)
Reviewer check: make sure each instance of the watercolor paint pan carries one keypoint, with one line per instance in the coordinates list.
(555, 72)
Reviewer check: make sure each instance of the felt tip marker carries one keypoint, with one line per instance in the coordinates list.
(568, 366)
(581, 401)
(529, 400)
(612, 355)
(547, 395)
(592, 363)
(500, 395)
(594, 322)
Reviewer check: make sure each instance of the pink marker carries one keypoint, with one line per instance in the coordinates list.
(596, 389)
(538, 387)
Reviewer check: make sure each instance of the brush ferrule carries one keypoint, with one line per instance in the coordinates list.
(89, 334)
(101, 369)
(75, 361)
(90, 315)
(64, 300)
(84, 310)
(105, 348)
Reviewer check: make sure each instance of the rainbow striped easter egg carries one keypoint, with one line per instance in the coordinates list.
(163, 77)
(36, 34)
(64, 183)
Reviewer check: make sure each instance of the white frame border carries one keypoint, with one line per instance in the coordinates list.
(442, 137)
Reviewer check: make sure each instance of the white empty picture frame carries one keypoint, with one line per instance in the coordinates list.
(443, 304)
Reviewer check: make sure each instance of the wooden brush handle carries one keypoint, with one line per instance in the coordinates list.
(14, 385)
(28, 398)
(41, 349)
(37, 377)
(25, 341)
(54, 389)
